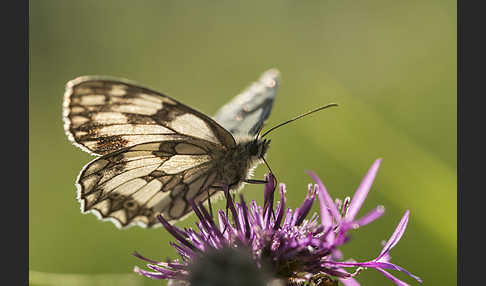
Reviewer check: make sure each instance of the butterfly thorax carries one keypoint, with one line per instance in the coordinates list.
(237, 164)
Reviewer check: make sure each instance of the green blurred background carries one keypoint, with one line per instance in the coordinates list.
(391, 65)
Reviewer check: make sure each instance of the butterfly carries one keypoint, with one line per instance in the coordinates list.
(154, 153)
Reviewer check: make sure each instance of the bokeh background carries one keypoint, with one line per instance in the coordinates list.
(391, 65)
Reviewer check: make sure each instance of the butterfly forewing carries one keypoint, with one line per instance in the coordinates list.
(103, 115)
(246, 112)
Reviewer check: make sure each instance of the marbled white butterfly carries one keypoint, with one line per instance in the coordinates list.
(155, 153)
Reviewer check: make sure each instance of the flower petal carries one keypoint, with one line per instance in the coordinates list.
(306, 206)
(231, 205)
(136, 254)
(175, 233)
(326, 202)
(149, 274)
(397, 234)
(387, 265)
(349, 281)
(371, 264)
(392, 278)
(362, 191)
(371, 216)
(268, 193)
(281, 208)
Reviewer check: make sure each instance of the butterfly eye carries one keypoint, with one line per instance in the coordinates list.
(253, 148)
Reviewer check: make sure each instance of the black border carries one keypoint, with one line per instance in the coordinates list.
(15, 134)
(471, 145)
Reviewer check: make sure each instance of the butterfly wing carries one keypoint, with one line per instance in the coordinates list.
(103, 114)
(246, 113)
(135, 184)
(155, 151)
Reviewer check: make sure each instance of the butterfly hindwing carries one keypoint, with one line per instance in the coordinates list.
(246, 112)
(135, 184)
(103, 115)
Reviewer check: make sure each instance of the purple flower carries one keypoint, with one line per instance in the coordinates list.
(289, 244)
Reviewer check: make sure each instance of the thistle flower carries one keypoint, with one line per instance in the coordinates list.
(284, 243)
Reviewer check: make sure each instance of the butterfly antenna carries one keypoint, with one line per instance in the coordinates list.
(258, 133)
(275, 185)
(226, 212)
(299, 117)
(227, 207)
(270, 169)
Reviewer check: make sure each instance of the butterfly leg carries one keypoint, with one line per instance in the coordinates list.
(227, 202)
(250, 181)
(209, 204)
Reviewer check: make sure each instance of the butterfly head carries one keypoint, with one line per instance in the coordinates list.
(258, 147)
